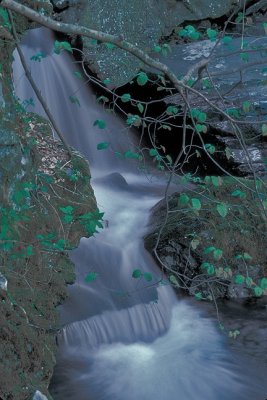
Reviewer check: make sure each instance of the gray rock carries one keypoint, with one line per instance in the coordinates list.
(141, 22)
(224, 68)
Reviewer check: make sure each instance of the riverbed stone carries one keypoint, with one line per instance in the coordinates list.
(142, 23)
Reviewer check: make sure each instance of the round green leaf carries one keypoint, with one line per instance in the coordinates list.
(196, 204)
(102, 145)
(263, 283)
(258, 291)
(142, 78)
(91, 277)
(239, 279)
(137, 273)
(222, 209)
(147, 276)
(100, 123)
(125, 97)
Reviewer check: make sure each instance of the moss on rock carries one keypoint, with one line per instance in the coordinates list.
(214, 241)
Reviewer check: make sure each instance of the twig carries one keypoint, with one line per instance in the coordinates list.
(35, 88)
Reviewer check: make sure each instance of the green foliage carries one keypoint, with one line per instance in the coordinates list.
(77, 74)
(134, 120)
(131, 154)
(142, 78)
(75, 100)
(59, 46)
(103, 145)
(210, 148)
(172, 110)
(4, 19)
(189, 32)
(212, 34)
(125, 97)
(38, 56)
(91, 221)
(264, 130)
(222, 209)
(100, 124)
(91, 277)
(196, 204)
(137, 274)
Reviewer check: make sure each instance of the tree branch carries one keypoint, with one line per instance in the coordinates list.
(35, 88)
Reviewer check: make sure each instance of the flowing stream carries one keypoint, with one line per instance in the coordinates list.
(124, 338)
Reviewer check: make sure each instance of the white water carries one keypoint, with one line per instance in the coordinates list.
(125, 339)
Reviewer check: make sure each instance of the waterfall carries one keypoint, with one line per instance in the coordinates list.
(124, 338)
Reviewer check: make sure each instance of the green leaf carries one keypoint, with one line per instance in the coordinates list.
(77, 74)
(67, 210)
(222, 209)
(102, 98)
(228, 153)
(102, 145)
(75, 100)
(169, 159)
(153, 152)
(264, 130)
(233, 112)
(239, 279)
(212, 34)
(249, 281)
(100, 123)
(106, 81)
(38, 56)
(247, 256)
(183, 199)
(244, 57)
(173, 280)
(258, 291)
(210, 148)
(217, 254)
(131, 154)
(238, 193)
(58, 46)
(210, 270)
(126, 97)
(194, 243)
(227, 40)
(91, 277)
(196, 204)
(209, 249)
(157, 49)
(201, 117)
(142, 78)
(201, 128)
(198, 295)
(137, 273)
(147, 276)
(215, 181)
(140, 107)
(68, 218)
(246, 106)
(110, 46)
(172, 110)
(263, 283)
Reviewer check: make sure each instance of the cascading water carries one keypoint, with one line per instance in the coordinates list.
(124, 339)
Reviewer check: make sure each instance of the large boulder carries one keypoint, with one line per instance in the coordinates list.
(213, 243)
(141, 22)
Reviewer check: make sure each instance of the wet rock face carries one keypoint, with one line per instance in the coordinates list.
(243, 99)
(140, 22)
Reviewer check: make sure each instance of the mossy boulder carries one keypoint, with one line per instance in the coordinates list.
(47, 205)
(214, 241)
